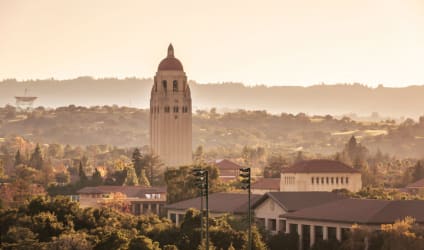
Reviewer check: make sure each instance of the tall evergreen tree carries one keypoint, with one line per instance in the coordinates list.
(142, 179)
(36, 160)
(131, 177)
(18, 158)
(137, 160)
(154, 168)
(96, 178)
(81, 173)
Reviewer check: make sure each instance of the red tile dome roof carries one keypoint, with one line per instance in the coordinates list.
(170, 62)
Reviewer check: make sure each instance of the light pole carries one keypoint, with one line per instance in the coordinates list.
(202, 182)
(245, 184)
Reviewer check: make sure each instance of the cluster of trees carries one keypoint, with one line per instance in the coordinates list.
(224, 134)
(34, 169)
(58, 223)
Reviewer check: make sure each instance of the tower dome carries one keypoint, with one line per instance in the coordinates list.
(170, 62)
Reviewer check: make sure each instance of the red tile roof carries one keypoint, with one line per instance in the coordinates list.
(362, 211)
(225, 164)
(267, 183)
(293, 201)
(218, 203)
(320, 166)
(417, 184)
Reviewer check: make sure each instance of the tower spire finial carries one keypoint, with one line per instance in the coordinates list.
(170, 50)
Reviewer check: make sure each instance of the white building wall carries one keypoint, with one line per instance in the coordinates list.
(270, 210)
(298, 182)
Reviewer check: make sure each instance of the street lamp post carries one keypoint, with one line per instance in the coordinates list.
(245, 176)
(202, 182)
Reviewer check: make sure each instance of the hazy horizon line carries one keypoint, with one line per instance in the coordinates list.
(212, 82)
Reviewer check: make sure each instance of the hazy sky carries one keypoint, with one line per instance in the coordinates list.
(256, 42)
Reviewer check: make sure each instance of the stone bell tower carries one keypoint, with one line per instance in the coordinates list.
(170, 113)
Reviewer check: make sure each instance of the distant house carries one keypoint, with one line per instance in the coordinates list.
(219, 204)
(228, 170)
(320, 175)
(416, 187)
(142, 200)
(271, 206)
(265, 185)
(333, 220)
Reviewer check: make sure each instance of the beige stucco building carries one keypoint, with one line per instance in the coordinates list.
(333, 220)
(170, 113)
(140, 200)
(270, 208)
(320, 175)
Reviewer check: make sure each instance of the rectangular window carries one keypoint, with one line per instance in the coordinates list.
(260, 222)
(153, 208)
(341, 180)
(293, 228)
(322, 180)
(137, 209)
(332, 233)
(175, 109)
(347, 180)
(173, 218)
(145, 208)
(332, 180)
(318, 233)
(327, 180)
(175, 86)
(282, 225)
(337, 180)
(272, 224)
(312, 180)
(164, 85)
(167, 109)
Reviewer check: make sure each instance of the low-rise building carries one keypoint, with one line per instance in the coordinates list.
(228, 170)
(320, 175)
(333, 220)
(219, 204)
(271, 206)
(141, 200)
(265, 185)
(416, 187)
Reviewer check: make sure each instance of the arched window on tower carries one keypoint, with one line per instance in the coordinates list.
(175, 86)
(164, 85)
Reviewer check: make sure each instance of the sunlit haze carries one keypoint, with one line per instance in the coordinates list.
(254, 42)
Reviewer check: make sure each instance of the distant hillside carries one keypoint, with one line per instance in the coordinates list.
(318, 99)
(225, 133)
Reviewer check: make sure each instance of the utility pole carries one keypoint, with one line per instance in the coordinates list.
(245, 176)
(202, 182)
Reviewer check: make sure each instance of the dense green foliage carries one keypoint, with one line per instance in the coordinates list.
(58, 223)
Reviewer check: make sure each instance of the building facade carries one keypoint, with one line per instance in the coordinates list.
(334, 220)
(270, 208)
(140, 200)
(219, 205)
(170, 113)
(320, 175)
